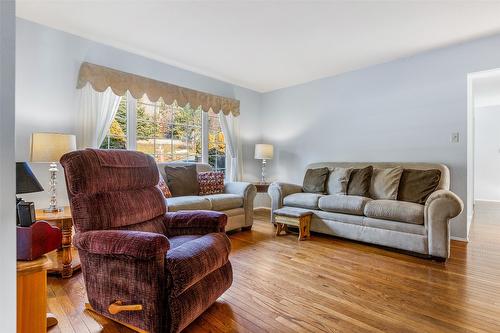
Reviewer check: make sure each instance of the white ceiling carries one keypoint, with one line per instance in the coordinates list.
(266, 45)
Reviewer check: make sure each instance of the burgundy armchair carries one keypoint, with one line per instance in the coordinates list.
(143, 267)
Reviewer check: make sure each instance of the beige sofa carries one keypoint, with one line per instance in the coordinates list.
(236, 201)
(403, 225)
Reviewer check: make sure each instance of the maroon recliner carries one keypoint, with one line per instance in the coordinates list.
(158, 270)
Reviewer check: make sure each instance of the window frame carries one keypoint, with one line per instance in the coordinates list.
(131, 137)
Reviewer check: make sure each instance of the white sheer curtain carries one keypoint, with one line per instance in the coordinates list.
(230, 127)
(96, 113)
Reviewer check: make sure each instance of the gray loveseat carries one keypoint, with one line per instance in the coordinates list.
(399, 224)
(236, 201)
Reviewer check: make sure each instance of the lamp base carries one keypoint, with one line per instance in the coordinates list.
(53, 210)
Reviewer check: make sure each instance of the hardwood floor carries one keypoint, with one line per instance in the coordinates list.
(328, 284)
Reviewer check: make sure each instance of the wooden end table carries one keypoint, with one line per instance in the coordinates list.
(262, 187)
(287, 216)
(65, 260)
(32, 316)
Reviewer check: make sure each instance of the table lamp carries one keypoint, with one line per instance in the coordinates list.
(48, 148)
(263, 152)
(26, 182)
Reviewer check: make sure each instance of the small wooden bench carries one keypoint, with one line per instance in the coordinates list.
(295, 217)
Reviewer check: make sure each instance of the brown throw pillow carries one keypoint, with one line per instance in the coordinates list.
(182, 180)
(416, 185)
(359, 183)
(385, 183)
(315, 180)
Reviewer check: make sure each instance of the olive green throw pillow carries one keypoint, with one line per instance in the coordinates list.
(359, 183)
(182, 180)
(315, 179)
(416, 185)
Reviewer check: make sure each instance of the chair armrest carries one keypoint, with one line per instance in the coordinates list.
(440, 207)
(122, 243)
(277, 191)
(194, 222)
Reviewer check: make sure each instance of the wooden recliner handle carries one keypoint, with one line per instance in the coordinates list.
(117, 307)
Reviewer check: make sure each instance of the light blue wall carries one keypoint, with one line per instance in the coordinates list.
(47, 68)
(404, 110)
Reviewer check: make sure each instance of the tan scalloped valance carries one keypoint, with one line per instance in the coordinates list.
(101, 78)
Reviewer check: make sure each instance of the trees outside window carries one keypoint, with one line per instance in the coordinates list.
(168, 132)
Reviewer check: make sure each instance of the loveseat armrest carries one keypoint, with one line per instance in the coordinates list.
(247, 191)
(122, 243)
(194, 222)
(278, 191)
(440, 207)
(242, 189)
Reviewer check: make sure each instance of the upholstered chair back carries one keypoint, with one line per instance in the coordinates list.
(114, 189)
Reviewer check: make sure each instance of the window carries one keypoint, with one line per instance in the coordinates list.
(117, 135)
(216, 143)
(168, 132)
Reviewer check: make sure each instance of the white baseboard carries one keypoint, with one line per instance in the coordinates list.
(460, 239)
(486, 205)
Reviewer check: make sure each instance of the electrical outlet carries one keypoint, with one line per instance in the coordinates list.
(455, 137)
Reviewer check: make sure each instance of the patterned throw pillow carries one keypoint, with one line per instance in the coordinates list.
(164, 188)
(211, 182)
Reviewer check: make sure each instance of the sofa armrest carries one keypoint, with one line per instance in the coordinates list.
(277, 191)
(247, 191)
(440, 207)
(194, 222)
(122, 243)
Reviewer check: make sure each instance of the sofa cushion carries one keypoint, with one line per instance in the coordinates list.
(189, 202)
(337, 181)
(182, 180)
(359, 182)
(315, 180)
(302, 200)
(224, 201)
(416, 185)
(348, 204)
(385, 183)
(393, 210)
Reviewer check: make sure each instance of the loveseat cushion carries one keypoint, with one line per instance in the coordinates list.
(192, 260)
(393, 210)
(348, 204)
(189, 202)
(224, 201)
(302, 200)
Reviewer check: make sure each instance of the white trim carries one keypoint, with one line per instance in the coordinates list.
(460, 239)
(131, 122)
(204, 137)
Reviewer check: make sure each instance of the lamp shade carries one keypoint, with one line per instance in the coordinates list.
(26, 181)
(49, 147)
(264, 151)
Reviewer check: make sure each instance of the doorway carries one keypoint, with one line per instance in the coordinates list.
(483, 143)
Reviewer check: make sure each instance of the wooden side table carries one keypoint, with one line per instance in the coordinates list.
(65, 260)
(262, 187)
(32, 316)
